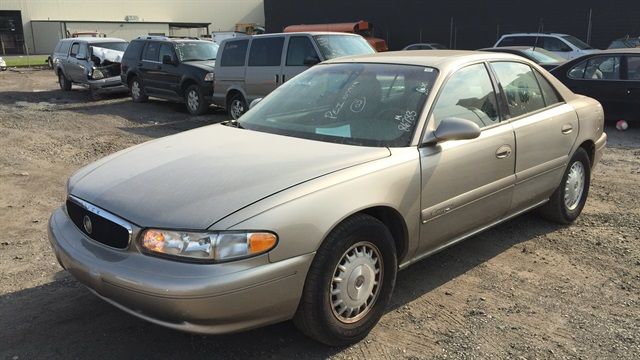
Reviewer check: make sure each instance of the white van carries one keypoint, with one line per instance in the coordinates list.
(566, 46)
(249, 68)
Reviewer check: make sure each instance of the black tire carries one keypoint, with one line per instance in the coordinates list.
(65, 84)
(236, 106)
(193, 98)
(316, 316)
(556, 209)
(136, 88)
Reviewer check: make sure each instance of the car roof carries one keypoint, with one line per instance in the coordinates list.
(634, 51)
(439, 59)
(94, 39)
(534, 33)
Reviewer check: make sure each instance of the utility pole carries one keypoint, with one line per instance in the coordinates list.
(590, 24)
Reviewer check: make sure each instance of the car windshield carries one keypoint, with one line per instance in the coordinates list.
(542, 56)
(333, 46)
(357, 104)
(197, 51)
(438, 46)
(118, 46)
(577, 42)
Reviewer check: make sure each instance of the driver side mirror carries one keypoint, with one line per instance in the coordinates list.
(254, 103)
(311, 60)
(453, 129)
(167, 59)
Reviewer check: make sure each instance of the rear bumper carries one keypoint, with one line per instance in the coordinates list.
(201, 298)
(599, 148)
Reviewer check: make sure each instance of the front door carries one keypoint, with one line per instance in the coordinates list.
(264, 73)
(466, 184)
(75, 68)
(299, 49)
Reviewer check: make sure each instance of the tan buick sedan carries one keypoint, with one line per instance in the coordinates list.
(307, 207)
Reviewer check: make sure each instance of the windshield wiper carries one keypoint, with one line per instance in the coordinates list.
(233, 123)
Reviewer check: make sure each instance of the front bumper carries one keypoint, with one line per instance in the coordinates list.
(108, 85)
(201, 298)
(599, 148)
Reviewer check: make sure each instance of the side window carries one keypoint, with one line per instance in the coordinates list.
(266, 51)
(64, 48)
(82, 51)
(518, 41)
(520, 87)
(300, 48)
(554, 44)
(151, 52)
(633, 67)
(133, 50)
(603, 68)
(234, 53)
(549, 93)
(75, 48)
(58, 46)
(468, 94)
(577, 72)
(166, 49)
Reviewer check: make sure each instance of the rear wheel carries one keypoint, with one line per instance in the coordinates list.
(349, 283)
(236, 106)
(568, 200)
(65, 84)
(138, 94)
(196, 104)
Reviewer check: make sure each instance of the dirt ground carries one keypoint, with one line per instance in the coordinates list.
(523, 290)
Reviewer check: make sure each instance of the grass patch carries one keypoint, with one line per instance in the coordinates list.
(23, 61)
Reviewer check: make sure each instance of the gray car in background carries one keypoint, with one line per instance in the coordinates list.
(90, 62)
(307, 206)
(251, 67)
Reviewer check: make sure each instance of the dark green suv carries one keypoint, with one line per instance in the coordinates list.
(172, 69)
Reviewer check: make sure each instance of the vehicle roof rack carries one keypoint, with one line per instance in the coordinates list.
(152, 37)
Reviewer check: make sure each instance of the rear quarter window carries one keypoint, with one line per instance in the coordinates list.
(64, 47)
(234, 53)
(133, 50)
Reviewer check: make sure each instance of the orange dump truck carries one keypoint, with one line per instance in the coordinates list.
(361, 27)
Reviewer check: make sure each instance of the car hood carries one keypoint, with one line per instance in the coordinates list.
(208, 65)
(193, 179)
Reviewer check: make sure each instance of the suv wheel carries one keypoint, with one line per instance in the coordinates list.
(237, 106)
(196, 104)
(349, 283)
(138, 94)
(65, 84)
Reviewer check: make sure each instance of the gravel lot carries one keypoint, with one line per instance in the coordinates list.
(526, 289)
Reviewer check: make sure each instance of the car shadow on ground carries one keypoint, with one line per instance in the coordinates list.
(158, 117)
(63, 319)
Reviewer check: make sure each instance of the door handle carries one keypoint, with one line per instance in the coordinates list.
(567, 129)
(277, 79)
(283, 78)
(503, 152)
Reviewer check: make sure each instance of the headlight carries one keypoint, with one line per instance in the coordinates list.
(209, 77)
(97, 74)
(207, 246)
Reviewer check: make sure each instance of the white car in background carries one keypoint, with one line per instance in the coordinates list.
(3, 64)
(566, 46)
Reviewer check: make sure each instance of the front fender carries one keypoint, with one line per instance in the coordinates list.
(304, 215)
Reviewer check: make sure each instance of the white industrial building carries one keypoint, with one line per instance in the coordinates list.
(35, 26)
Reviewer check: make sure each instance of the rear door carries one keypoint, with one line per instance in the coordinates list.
(264, 67)
(230, 69)
(74, 67)
(545, 128)
(150, 66)
(632, 77)
(299, 49)
(466, 184)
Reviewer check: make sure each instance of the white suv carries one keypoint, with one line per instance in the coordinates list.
(566, 46)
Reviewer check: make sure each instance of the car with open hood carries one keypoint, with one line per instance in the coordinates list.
(90, 62)
(307, 206)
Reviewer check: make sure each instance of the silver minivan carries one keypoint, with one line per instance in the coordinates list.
(249, 68)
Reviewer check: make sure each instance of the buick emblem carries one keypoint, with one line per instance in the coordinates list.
(88, 227)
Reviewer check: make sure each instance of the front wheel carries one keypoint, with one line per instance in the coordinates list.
(237, 106)
(568, 200)
(350, 282)
(196, 104)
